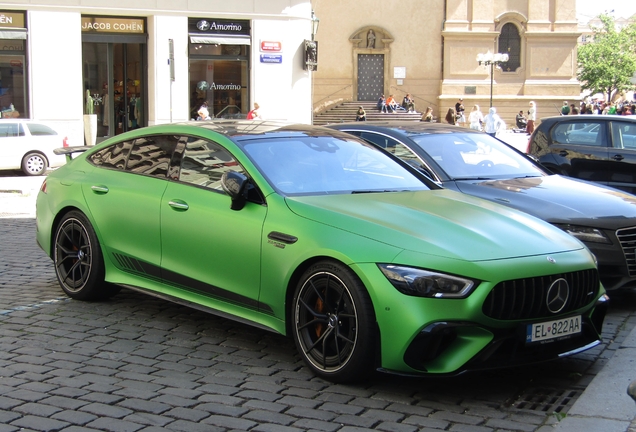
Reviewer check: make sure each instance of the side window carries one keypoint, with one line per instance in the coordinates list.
(112, 157)
(580, 133)
(40, 129)
(379, 140)
(624, 135)
(151, 155)
(204, 163)
(9, 130)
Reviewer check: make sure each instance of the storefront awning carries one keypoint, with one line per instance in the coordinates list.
(219, 40)
(13, 34)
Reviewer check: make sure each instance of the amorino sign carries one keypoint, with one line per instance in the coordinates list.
(213, 26)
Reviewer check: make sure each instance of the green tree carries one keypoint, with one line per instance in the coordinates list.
(607, 64)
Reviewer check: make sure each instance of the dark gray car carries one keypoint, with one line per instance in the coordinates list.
(598, 148)
(475, 163)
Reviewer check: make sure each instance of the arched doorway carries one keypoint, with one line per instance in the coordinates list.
(371, 52)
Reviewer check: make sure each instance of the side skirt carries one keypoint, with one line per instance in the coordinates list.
(199, 307)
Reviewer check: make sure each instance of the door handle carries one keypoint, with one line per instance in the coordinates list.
(178, 205)
(99, 189)
(563, 153)
(618, 157)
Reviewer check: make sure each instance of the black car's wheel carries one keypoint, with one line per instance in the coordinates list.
(78, 260)
(34, 164)
(333, 322)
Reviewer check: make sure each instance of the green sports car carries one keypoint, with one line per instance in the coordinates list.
(312, 233)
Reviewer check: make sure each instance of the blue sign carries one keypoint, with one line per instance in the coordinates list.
(271, 58)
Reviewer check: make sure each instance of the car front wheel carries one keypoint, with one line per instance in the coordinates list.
(79, 265)
(34, 164)
(333, 323)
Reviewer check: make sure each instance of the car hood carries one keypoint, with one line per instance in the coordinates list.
(440, 222)
(559, 199)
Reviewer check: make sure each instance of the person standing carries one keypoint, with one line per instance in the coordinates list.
(532, 117)
(475, 118)
(459, 112)
(493, 122)
(565, 109)
(254, 114)
(361, 115)
(450, 117)
(204, 113)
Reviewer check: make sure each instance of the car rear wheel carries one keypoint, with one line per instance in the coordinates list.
(34, 164)
(334, 323)
(79, 265)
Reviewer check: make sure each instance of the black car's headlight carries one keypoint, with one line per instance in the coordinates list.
(586, 234)
(425, 283)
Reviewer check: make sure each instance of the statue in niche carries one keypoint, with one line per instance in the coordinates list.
(370, 39)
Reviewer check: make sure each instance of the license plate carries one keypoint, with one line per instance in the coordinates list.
(554, 329)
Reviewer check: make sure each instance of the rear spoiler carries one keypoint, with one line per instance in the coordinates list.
(68, 151)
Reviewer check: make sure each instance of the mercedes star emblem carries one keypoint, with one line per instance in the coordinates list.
(558, 295)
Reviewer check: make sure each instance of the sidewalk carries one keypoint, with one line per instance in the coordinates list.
(605, 406)
(17, 197)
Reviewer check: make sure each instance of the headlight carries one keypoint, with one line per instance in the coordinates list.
(586, 234)
(425, 283)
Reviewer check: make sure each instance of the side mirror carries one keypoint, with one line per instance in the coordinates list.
(235, 185)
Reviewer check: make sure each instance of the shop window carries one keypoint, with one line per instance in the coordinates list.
(13, 90)
(510, 43)
(219, 74)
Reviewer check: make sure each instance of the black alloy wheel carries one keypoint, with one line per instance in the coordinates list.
(333, 323)
(78, 259)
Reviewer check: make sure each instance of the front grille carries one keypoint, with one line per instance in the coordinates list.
(627, 237)
(523, 299)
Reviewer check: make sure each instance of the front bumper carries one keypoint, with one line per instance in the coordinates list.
(439, 347)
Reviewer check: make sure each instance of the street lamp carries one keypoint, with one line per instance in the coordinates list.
(492, 60)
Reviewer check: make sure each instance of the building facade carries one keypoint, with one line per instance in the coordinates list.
(429, 49)
(131, 64)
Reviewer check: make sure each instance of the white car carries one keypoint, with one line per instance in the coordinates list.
(29, 146)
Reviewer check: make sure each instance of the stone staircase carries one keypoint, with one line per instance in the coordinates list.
(346, 112)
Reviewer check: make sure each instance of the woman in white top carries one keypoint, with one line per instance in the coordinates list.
(475, 118)
(532, 116)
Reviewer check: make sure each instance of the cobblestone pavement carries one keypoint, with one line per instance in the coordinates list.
(135, 363)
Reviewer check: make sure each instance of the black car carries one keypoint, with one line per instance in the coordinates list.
(475, 163)
(598, 148)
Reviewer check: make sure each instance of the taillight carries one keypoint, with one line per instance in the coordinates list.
(65, 142)
(43, 187)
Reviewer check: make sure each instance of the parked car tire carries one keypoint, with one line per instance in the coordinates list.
(78, 260)
(34, 164)
(334, 322)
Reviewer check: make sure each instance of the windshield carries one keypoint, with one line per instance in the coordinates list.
(474, 155)
(327, 165)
